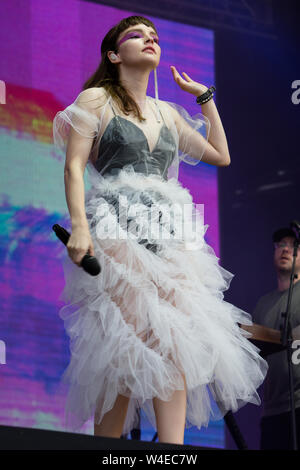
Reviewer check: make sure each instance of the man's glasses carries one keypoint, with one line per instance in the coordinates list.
(282, 245)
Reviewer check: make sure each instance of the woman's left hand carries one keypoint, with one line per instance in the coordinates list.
(188, 84)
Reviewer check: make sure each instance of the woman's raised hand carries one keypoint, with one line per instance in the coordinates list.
(79, 243)
(187, 84)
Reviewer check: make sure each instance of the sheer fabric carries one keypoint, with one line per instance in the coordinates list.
(156, 311)
(90, 117)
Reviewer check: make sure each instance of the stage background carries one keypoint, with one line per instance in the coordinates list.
(47, 51)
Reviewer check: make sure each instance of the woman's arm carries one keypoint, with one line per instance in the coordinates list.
(192, 142)
(217, 152)
(78, 150)
(74, 190)
(83, 116)
(77, 154)
(80, 241)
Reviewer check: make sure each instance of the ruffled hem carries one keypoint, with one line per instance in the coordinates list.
(147, 318)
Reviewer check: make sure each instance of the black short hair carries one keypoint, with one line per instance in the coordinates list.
(281, 233)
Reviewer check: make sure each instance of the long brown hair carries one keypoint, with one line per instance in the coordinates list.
(106, 75)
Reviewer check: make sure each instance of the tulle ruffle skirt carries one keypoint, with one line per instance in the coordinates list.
(155, 312)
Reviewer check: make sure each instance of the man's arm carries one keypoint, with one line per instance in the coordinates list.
(296, 332)
(256, 313)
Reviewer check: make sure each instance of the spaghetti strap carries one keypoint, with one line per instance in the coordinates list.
(115, 114)
(156, 104)
(112, 107)
(159, 110)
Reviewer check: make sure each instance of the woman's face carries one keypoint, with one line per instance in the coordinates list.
(139, 45)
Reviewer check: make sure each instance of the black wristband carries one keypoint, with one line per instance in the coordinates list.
(206, 96)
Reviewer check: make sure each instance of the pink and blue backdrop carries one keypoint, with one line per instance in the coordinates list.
(47, 51)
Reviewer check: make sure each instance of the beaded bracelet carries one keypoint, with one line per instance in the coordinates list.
(206, 96)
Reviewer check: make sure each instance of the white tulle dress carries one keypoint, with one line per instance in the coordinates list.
(156, 310)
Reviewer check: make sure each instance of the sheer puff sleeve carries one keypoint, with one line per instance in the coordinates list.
(191, 134)
(83, 115)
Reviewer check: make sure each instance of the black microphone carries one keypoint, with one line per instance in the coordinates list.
(295, 226)
(89, 263)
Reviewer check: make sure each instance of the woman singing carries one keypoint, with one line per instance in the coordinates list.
(152, 330)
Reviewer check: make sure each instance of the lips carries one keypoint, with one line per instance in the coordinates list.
(284, 257)
(149, 49)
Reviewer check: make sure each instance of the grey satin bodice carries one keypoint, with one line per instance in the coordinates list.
(124, 143)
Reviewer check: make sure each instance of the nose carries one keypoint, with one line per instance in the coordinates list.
(150, 39)
(286, 250)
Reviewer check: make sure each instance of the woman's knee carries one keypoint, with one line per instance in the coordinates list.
(112, 422)
(120, 407)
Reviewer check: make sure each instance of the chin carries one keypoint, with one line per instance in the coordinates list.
(151, 58)
(284, 269)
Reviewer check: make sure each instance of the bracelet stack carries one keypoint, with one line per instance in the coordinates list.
(206, 96)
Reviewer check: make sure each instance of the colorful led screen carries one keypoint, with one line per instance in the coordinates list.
(48, 50)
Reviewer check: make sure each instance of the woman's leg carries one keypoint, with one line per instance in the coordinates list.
(170, 417)
(113, 421)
